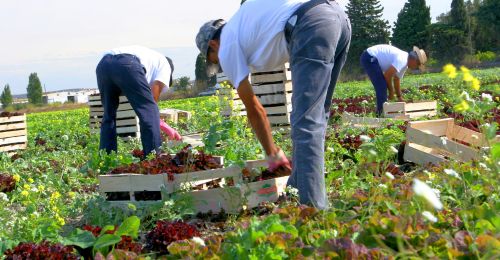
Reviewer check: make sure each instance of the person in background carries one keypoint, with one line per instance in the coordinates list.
(386, 66)
(314, 36)
(141, 74)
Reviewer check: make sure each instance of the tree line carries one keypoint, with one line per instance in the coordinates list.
(469, 32)
(34, 89)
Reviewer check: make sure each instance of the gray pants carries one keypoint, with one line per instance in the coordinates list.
(318, 50)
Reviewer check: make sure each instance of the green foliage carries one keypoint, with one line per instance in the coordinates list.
(6, 97)
(486, 56)
(488, 19)
(183, 83)
(459, 18)
(368, 29)
(409, 29)
(447, 44)
(104, 242)
(34, 90)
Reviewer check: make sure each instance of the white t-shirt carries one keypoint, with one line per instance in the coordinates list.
(388, 56)
(254, 39)
(155, 63)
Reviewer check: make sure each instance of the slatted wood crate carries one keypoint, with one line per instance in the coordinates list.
(133, 188)
(255, 193)
(174, 115)
(402, 110)
(437, 141)
(127, 122)
(13, 134)
(232, 199)
(274, 91)
(364, 122)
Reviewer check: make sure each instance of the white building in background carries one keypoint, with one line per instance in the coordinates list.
(69, 96)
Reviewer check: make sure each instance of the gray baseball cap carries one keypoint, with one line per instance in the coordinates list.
(206, 33)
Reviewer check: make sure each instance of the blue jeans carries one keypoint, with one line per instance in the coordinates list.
(372, 68)
(123, 73)
(318, 49)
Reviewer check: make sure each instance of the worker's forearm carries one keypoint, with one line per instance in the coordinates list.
(260, 123)
(397, 87)
(390, 87)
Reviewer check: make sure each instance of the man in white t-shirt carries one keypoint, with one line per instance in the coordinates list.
(386, 66)
(314, 37)
(141, 74)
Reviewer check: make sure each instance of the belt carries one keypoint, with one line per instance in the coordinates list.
(297, 15)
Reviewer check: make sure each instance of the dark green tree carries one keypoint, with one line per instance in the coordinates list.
(183, 83)
(459, 18)
(446, 44)
(410, 28)
(202, 81)
(34, 89)
(6, 96)
(368, 29)
(488, 20)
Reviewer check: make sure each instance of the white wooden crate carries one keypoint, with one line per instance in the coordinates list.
(402, 110)
(127, 122)
(436, 141)
(364, 122)
(274, 91)
(174, 115)
(254, 193)
(13, 134)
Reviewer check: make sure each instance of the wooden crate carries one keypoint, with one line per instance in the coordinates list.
(364, 122)
(436, 141)
(127, 122)
(402, 110)
(274, 91)
(174, 115)
(129, 186)
(13, 134)
(254, 193)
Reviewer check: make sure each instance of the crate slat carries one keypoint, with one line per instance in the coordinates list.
(96, 100)
(422, 155)
(12, 119)
(13, 140)
(14, 126)
(410, 110)
(121, 107)
(348, 118)
(119, 114)
(442, 140)
(15, 147)
(14, 133)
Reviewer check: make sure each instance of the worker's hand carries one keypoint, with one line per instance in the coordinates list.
(279, 162)
(169, 131)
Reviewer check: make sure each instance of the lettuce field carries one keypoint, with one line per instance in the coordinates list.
(381, 206)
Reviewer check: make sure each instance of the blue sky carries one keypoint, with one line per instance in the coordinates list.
(63, 40)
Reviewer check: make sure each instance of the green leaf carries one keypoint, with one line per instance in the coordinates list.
(80, 238)
(129, 227)
(106, 240)
(106, 229)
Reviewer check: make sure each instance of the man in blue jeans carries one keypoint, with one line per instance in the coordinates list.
(141, 74)
(314, 36)
(386, 66)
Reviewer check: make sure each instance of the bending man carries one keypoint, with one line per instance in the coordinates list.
(314, 36)
(386, 66)
(140, 74)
